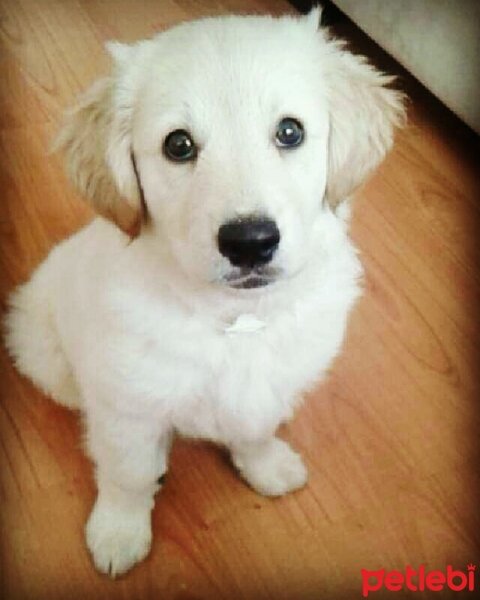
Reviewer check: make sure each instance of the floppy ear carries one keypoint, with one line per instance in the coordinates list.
(364, 113)
(96, 141)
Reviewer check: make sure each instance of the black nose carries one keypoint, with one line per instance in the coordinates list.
(248, 242)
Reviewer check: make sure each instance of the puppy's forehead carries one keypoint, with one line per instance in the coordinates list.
(230, 42)
(204, 68)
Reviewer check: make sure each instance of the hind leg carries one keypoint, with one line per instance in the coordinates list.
(66, 391)
(271, 467)
(33, 342)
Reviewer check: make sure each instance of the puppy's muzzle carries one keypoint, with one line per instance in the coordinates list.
(249, 243)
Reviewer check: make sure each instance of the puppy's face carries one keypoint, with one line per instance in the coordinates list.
(241, 134)
(230, 137)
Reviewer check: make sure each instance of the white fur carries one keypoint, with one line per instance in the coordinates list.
(144, 335)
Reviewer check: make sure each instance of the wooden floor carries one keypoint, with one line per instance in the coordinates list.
(391, 439)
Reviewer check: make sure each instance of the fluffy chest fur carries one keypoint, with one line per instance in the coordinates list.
(172, 348)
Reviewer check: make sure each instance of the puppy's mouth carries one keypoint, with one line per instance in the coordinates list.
(247, 279)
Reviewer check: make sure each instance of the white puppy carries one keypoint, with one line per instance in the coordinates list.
(216, 287)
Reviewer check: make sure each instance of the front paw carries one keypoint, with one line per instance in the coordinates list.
(118, 539)
(272, 469)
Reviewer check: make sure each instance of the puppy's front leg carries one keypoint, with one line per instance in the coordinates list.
(271, 467)
(130, 457)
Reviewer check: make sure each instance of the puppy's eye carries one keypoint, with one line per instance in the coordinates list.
(179, 146)
(289, 133)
